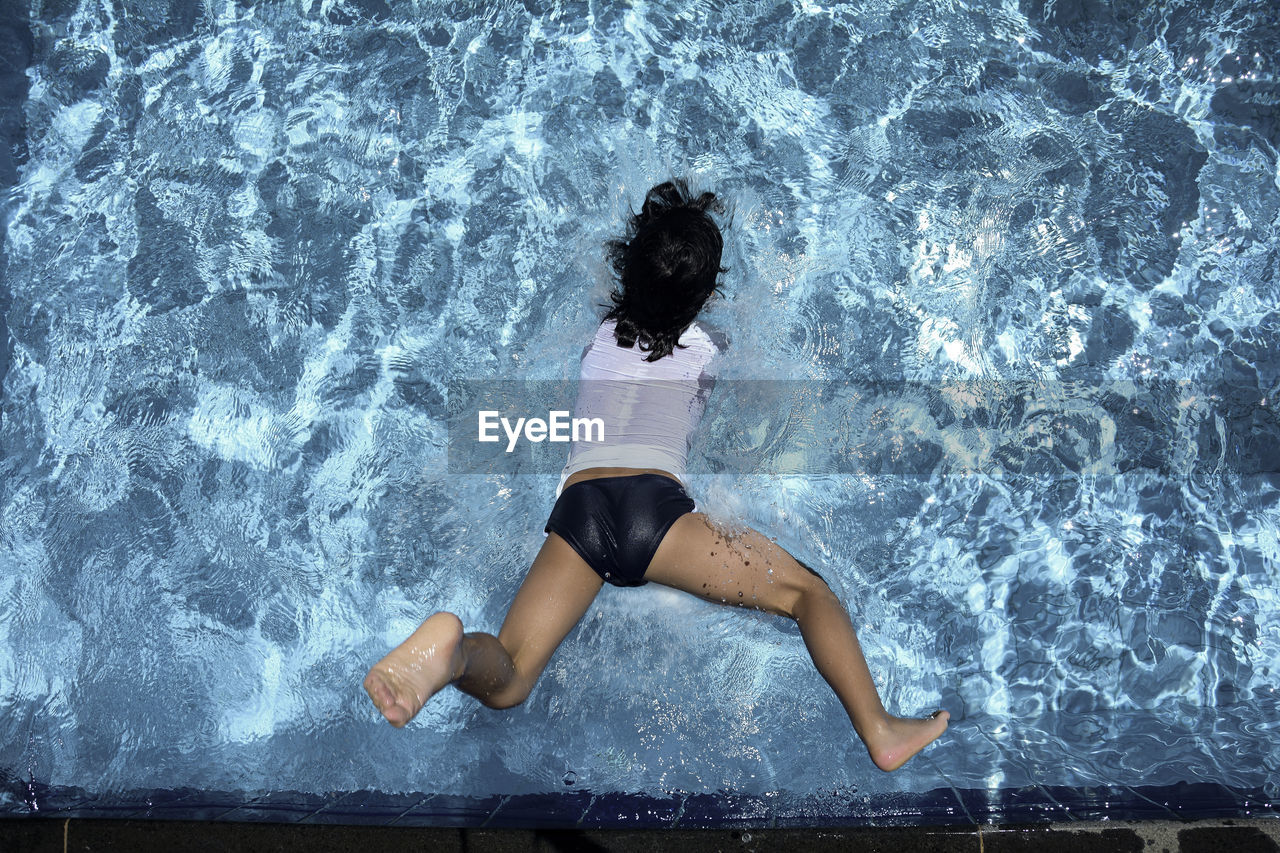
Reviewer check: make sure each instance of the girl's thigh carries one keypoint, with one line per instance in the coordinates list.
(555, 594)
(740, 567)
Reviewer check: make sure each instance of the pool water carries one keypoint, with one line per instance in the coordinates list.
(248, 247)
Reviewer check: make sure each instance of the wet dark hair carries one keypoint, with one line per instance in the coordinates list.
(666, 266)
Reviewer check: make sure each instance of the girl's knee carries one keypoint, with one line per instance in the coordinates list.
(810, 570)
(811, 591)
(514, 695)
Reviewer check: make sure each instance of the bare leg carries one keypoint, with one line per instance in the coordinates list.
(749, 570)
(499, 671)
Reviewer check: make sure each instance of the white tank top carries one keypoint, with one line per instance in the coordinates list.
(650, 409)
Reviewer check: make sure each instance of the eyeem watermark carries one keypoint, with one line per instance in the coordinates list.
(874, 427)
(558, 427)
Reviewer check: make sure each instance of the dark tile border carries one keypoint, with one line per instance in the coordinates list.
(142, 836)
(586, 810)
(618, 809)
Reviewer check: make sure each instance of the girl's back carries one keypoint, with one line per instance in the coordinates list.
(649, 409)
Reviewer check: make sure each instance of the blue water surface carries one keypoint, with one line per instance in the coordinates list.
(248, 245)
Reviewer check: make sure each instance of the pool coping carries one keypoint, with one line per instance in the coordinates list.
(40, 834)
(581, 809)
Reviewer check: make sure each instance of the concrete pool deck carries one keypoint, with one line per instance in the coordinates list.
(54, 835)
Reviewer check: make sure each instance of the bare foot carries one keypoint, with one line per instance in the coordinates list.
(402, 682)
(900, 738)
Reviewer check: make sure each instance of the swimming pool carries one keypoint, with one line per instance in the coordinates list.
(248, 249)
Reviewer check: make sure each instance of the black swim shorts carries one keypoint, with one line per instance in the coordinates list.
(617, 523)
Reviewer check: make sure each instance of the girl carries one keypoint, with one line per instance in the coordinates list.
(622, 515)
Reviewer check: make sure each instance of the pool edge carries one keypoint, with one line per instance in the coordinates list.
(40, 834)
